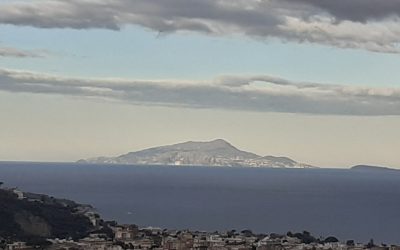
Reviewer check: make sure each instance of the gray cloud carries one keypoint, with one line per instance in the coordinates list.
(362, 24)
(18, 53)
(354, 10)
(250, 93)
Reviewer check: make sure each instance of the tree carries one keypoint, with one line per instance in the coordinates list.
(231, 233)
(305, 237)
(370, 243)
(331, 239)
(247, 232)
(3, 244)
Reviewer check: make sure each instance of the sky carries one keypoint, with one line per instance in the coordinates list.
(314, 80)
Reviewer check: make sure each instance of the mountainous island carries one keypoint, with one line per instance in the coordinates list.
(212, 153)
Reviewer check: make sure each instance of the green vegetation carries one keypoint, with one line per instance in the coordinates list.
(34, 221)
(307, 238)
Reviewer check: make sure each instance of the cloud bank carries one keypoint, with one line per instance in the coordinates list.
(18, 53)
(261, 93)
(365, 24)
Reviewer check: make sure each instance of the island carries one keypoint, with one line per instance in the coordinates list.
(372, 168)
(214, 153)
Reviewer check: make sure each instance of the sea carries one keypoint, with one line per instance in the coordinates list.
(348, 204)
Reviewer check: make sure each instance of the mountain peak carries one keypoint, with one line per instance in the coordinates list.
(215, 141)
(202, 145)
(220, 142)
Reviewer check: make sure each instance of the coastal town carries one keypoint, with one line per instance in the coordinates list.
(37, 228)
(132, 237)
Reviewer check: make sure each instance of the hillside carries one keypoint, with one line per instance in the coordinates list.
(34, 220)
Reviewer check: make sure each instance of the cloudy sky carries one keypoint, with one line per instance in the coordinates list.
(315, 80)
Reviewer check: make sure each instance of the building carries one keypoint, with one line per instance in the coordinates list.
(125, 233)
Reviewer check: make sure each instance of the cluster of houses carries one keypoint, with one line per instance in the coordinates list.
(131, 237)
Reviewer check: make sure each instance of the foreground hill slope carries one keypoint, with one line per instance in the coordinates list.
(33, 220)
(212, 153)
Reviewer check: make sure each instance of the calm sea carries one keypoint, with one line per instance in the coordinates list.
(344, 203)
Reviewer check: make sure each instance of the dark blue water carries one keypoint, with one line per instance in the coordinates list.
(348, 204)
